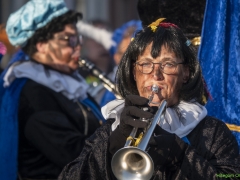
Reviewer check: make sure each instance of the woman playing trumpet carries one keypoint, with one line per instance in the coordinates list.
(186, 144)
(45, 111)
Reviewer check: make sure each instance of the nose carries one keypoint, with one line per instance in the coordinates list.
(76, 51)
(77, 47)
(157, 72)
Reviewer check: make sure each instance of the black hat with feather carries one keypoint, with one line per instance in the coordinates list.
(186, 14)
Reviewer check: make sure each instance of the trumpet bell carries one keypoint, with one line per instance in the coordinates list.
(132, 163)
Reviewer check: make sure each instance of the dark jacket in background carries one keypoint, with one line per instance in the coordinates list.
(51, 131)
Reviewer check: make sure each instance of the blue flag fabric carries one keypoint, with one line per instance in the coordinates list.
(219, 55)
(8, 122)
(9, 128)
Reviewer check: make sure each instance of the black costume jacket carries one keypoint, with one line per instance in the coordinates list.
(51, 131)
(213, 153)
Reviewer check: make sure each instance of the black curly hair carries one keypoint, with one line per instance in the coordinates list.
(174, 39)
(186, 14)
(46, 32)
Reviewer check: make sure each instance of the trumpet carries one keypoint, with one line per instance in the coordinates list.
(107, 83)
(133, 162)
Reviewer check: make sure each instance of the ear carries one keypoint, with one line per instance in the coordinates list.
(186, 74)
(116, 58)
(41, 47)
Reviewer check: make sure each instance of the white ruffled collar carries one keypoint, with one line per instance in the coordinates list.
(73, 87)
(181, 123)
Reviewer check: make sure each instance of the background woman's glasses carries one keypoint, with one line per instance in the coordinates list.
(73, 40)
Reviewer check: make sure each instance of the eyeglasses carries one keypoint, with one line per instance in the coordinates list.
(73, 40)
(168, 67)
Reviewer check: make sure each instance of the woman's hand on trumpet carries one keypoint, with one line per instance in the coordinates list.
(136, 107)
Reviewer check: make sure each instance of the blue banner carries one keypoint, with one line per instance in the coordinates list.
(219, 55)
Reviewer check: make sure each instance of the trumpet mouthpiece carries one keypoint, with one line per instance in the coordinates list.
(155, 88)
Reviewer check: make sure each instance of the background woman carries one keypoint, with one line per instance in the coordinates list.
(46, 114)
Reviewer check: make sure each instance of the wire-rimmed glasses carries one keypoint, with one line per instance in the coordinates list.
(73, 40)
(167, 67)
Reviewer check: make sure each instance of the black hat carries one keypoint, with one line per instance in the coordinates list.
(186, 14)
